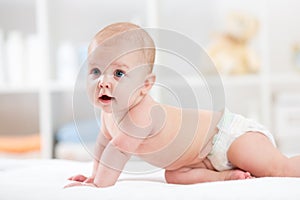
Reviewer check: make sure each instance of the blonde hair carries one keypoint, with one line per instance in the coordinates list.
(135, 34)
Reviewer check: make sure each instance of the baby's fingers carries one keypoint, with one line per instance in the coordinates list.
(79, 184)
(89, 180)
(73, 184)
(248, 175)
(79, 178)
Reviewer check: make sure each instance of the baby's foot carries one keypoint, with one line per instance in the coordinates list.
(237, 175)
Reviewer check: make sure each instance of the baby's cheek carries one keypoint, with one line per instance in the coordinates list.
(133, 97)
(124, 97)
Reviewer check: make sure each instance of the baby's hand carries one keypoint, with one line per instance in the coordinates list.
(80, 180)
(80, 184)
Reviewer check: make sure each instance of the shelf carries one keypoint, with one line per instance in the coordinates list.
(57, 86)
(20, 114)
(286, 78)
(18, 89)
(48, 104)
(242, 80)
(54, 86)
(227, 81)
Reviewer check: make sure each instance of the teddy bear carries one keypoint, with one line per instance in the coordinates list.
(230, 50)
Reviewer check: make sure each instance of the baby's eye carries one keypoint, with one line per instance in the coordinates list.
(119, 73)
(96, 72)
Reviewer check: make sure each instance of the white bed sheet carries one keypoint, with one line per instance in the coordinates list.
(44, 179)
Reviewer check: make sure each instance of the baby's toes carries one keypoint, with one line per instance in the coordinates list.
(247, 175)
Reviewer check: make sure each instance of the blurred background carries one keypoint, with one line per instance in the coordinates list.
(255, 45)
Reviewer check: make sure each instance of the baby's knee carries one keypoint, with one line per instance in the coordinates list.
(277, 169)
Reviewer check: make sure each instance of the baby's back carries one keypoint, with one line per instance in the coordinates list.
(180, 140)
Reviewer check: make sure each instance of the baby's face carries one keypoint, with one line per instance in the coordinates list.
(115, 85)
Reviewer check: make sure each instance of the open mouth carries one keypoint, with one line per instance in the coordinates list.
(105, 98)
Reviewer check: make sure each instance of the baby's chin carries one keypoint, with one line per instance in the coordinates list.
(111, 109)
(106, 109)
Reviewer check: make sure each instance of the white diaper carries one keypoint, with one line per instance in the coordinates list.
(230, 127)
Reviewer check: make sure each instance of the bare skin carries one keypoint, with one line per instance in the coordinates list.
(175, 139)
(160, 146)
(186, 167)
(255, 153)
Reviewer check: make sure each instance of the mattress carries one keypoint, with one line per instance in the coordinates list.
(44, 179)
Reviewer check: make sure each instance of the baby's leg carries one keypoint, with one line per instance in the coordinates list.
(253, 152)
(200, 175)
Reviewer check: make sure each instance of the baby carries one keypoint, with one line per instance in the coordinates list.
(193, 146)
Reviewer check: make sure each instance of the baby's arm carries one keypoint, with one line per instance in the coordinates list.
(100, 145)
(101, 142)
(110, 159)
(114, 157)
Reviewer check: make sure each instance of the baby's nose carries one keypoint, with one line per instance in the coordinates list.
(104, 84)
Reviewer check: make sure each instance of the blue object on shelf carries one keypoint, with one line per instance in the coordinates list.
(84, 131)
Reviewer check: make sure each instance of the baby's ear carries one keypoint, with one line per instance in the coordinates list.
(148, 83)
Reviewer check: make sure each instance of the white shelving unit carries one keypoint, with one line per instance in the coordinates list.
(60, 21)
(55, 22)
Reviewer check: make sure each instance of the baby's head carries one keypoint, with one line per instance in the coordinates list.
(125, 33)
(120, 63)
